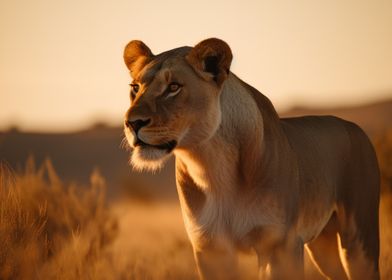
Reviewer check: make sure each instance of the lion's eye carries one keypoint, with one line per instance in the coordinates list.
(135, 87)
(134, 90)
(173, 89)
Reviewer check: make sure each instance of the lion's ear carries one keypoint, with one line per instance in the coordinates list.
(136, 56)
(212, 57)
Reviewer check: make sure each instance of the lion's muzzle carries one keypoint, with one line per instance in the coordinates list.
(136, 125)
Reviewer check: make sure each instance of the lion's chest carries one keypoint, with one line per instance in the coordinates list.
(227, 218)
(227, 210)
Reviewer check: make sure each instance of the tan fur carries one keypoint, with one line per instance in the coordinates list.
(247, 179)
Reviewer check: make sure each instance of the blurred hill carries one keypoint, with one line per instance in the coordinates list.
(76, 155)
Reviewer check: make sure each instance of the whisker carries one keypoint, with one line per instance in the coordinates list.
(124, 144)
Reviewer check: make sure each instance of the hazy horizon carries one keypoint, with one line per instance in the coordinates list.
(61, 61)
(100, 121)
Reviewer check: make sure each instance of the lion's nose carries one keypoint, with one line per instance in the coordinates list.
(137, 124)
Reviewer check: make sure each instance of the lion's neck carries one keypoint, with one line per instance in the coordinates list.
(233, 157)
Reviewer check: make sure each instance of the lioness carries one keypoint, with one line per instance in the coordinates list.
(247, 179)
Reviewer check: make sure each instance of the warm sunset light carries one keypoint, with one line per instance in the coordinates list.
(215, 140)
(61, 66)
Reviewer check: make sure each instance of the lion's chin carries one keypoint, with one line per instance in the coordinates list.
(148, 158)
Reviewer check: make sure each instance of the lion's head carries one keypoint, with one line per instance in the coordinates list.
(174, 98)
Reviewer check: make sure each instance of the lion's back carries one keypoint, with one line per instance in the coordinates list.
(333, 150)
(318, 141)
(333, 154)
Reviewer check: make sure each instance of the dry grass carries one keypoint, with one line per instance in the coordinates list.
(52, 231)
(152, 243)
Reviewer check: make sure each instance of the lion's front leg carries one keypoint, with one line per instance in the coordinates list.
(217, 261)
(281, 260)
(287, 260)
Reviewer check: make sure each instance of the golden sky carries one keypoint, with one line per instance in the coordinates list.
(61, 62)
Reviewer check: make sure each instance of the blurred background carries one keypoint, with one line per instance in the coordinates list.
(64, 86)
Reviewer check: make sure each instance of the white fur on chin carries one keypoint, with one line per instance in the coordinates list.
(148, 158)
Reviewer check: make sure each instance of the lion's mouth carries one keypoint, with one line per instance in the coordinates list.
(168, 146)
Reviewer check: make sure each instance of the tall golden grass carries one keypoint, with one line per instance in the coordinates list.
(52, 230)
(49, 230)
